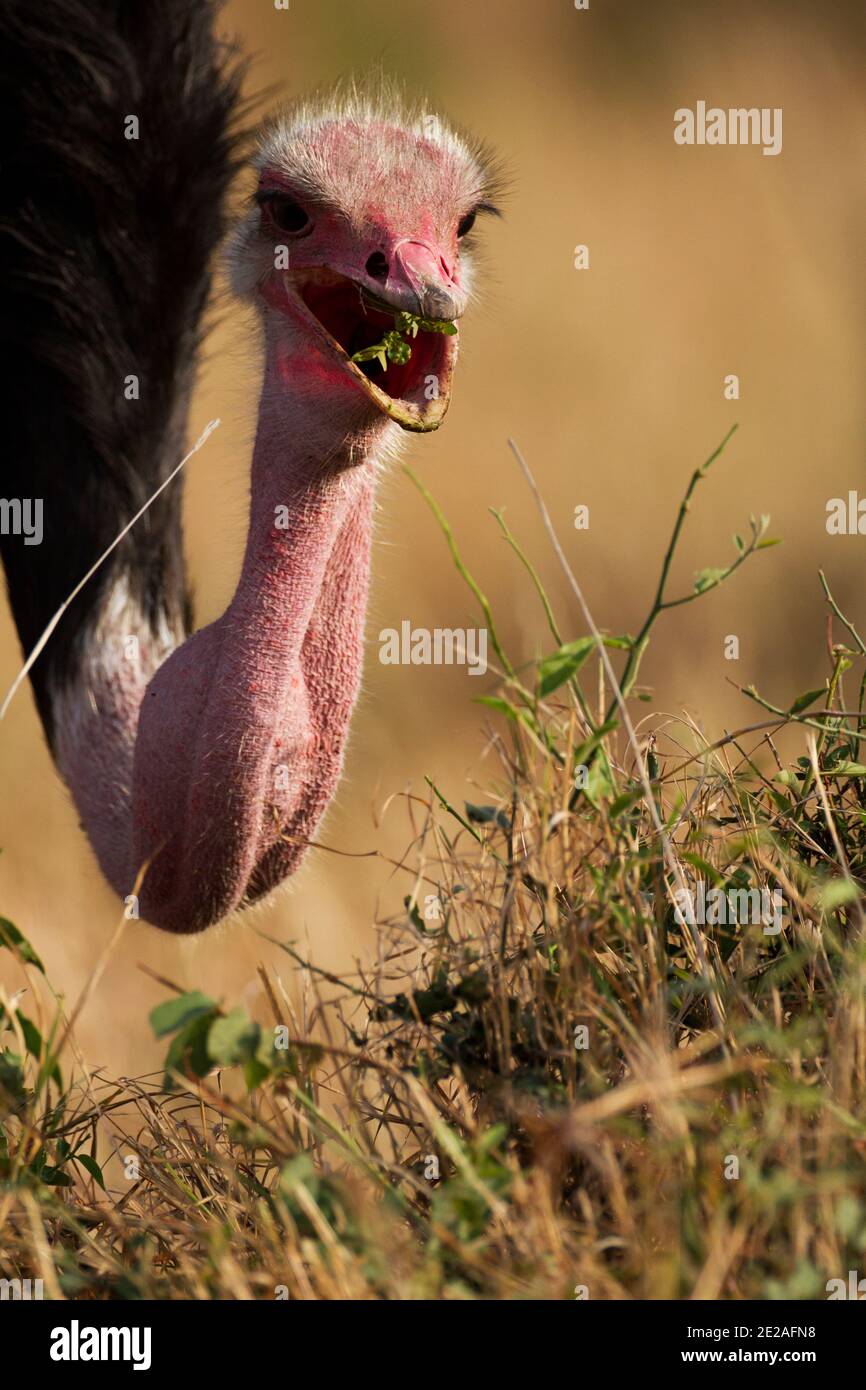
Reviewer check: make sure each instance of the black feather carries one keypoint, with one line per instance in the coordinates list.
(104, 274)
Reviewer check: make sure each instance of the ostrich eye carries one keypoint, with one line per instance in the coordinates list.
(466, 223)
(286, 214)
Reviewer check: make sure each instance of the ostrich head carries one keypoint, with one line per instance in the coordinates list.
(363, 211)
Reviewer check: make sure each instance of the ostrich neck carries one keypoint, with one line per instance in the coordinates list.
(208, 765)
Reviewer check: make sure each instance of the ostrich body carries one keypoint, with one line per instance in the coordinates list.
(206, 760)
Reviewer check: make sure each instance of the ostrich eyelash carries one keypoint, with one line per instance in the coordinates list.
(467, 221)
(268, 195)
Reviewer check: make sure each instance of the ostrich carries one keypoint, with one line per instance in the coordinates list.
(200, 762)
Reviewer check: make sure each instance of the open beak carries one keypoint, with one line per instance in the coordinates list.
(407, 314)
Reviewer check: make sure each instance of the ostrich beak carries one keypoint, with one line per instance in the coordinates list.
(351, 312)
(421, 281)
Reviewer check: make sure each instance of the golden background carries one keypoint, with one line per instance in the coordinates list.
(703, 262)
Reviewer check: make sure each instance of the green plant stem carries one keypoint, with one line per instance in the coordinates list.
(468, 579)
(632, 665)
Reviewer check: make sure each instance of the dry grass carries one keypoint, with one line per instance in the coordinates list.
(548, 1086)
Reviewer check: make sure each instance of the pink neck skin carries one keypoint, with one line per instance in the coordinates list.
(234, 747)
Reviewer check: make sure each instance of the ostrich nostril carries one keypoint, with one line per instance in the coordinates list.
(377, 266)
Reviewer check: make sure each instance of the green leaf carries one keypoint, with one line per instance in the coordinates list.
(487, 815)
(53, 1177)
(708, 870)
(554, 670)
(808, 698)
(438, 326)
(92, 1167)
(838, 892)
(255, 1072)
(11, 937)
(708, 579)
(367, 354)
(188, 1052)
(36, 1048)
(176, 1013)
(519, 716)
(12, 1087)
(393, 346)
(599, 782)
(299, 1171)
(233, 1038)
(583, 753)
(625, 801)
(397, 348)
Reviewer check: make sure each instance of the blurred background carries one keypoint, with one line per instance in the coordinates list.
(703, 262)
